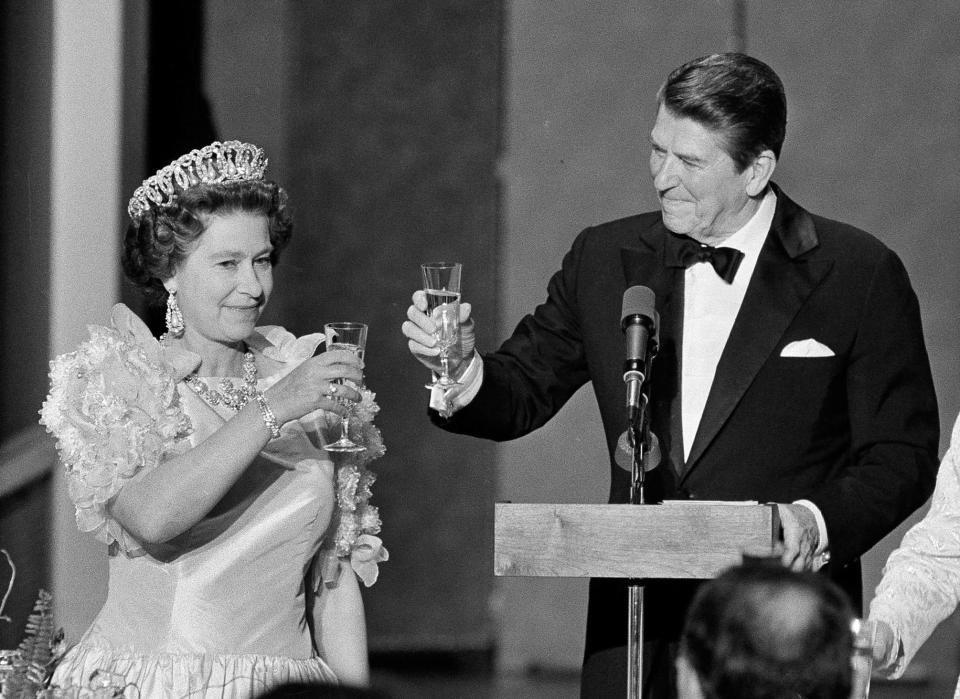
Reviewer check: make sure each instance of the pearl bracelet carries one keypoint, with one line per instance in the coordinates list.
(269, 419)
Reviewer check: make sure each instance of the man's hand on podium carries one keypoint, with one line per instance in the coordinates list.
(800, 536)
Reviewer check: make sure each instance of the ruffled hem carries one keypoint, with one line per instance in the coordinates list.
(86, 669)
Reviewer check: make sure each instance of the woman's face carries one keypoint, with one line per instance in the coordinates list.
(226, 279)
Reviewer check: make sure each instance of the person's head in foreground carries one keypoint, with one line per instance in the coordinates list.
(764, 631)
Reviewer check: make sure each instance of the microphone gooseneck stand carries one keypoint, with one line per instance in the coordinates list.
(639, 438)
(638, 321)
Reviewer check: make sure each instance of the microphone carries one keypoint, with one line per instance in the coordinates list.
(638, 322)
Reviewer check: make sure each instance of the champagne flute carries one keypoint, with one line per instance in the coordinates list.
(441, 284)
(353, 338)
(864, 631)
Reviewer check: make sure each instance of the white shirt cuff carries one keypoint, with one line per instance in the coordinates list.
(823, 547)
(447, 402)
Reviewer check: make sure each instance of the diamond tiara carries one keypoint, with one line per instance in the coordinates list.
(229, 161)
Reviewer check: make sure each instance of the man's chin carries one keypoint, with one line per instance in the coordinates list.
(675, 224)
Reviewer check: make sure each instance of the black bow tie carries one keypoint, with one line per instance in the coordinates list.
(687, 251)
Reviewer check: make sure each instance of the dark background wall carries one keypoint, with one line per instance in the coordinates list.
(25, 74)
(25, 50)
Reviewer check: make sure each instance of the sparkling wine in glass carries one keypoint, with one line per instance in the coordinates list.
(353, 338)
(441, 284)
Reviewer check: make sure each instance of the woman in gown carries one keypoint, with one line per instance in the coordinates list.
(921, 580)
(235, 540)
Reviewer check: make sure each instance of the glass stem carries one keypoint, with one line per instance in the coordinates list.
(444, 361)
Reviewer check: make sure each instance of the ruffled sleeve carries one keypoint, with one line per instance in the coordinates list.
(921, 580)
(114, 409)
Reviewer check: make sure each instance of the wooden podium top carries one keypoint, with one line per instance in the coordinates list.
(687, 539)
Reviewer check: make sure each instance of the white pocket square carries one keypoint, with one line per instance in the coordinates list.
(806, 348)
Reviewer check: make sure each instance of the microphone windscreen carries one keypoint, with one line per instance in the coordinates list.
(639, 300)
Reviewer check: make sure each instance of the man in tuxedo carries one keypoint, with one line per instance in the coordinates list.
(791, 365)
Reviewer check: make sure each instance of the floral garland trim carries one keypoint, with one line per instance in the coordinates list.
(359, 522)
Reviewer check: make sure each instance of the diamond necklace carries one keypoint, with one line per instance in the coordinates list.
(229, 395)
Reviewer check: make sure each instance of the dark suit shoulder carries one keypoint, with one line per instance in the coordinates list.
(623, 230)
(803, 232)
(837, 236)
(601, 244)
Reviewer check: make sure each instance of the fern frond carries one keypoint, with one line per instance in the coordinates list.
(31, 667)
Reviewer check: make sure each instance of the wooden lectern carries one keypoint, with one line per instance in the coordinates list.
(677, 539)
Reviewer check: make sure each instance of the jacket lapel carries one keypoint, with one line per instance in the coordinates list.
(782, 281)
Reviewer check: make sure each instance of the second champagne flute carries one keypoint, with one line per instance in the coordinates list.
(353, 338)
(441, 284)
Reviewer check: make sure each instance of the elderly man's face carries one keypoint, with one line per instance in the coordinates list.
(701, 193)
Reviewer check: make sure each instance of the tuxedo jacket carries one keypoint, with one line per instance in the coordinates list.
(855, 432)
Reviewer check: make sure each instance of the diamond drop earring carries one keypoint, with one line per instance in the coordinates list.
(174, 316)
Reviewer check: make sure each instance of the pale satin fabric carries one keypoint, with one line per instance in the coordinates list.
(220, 610)
(921, 580)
